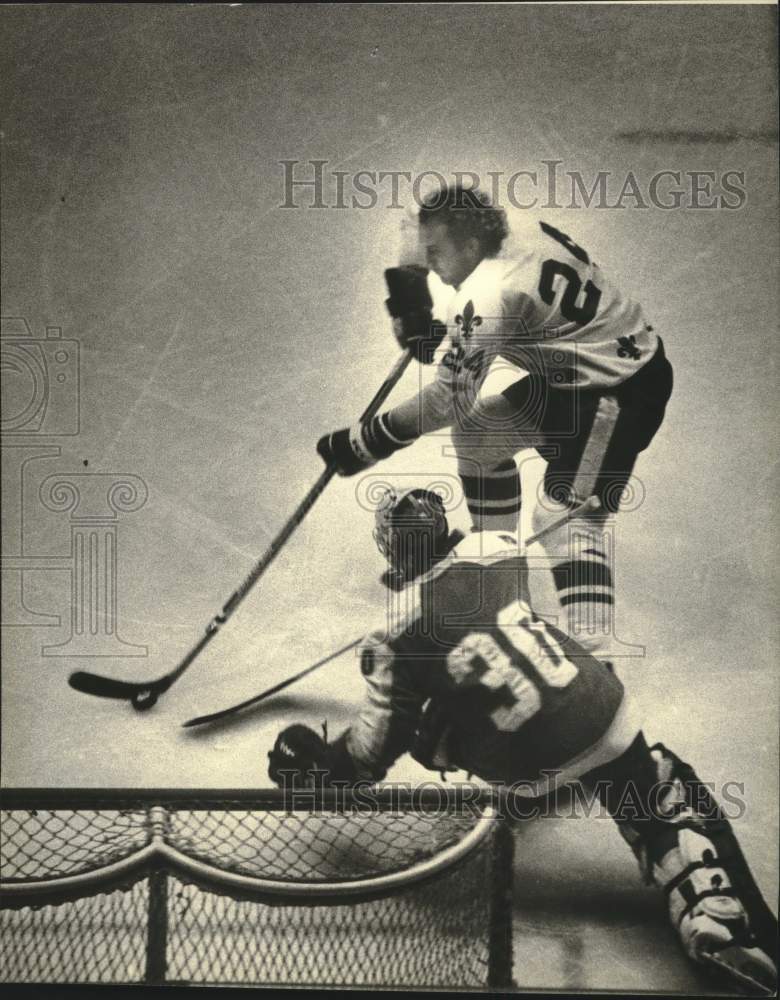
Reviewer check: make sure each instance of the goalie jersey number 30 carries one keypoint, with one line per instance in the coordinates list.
(484, 660)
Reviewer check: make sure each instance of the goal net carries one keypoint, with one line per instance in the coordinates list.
(384, 887)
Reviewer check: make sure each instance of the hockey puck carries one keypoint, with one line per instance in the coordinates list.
(144, 700)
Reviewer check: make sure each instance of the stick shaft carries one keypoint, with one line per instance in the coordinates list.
(307, 503)
(591, 504)
(587, 506)
(201, 719)
(289, 526)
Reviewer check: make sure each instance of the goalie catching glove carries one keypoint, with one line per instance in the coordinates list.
(301, 758)
(410, 305)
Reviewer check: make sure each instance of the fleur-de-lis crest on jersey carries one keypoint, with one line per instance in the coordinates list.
(468, 321)
(628, 348)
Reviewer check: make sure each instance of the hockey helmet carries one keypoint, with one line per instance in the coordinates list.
(411, 530)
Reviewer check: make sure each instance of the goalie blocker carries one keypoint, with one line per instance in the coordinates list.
(473, 680)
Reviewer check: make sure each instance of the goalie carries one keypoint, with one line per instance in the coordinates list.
(473, 680)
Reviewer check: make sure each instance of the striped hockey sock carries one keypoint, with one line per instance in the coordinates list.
(493, 499)
(585, 586)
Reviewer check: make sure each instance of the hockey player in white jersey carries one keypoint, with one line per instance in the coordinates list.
(472, 679)
(590, 393)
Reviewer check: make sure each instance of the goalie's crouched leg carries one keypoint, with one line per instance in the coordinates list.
(686, 846)
(301, 758)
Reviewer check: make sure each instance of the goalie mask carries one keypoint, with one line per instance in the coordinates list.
(411, 531)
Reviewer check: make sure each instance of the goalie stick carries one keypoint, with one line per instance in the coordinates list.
(144, 694)
(588, 506)
(225, 712)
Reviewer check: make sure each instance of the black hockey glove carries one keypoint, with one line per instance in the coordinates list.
(353, 449)
(410, 305)
(301, 758)
(297, 751)
(420, 334)
(408, 288)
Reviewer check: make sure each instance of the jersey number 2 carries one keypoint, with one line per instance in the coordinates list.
(570, 309)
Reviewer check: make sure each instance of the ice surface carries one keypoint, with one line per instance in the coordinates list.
(221, 334)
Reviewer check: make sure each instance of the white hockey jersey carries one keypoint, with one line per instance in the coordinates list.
(548, 311)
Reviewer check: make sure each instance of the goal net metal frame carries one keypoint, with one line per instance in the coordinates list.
(377, 886)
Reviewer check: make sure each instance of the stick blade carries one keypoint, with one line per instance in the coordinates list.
(224, 713)
(103, 687)
(201, 720)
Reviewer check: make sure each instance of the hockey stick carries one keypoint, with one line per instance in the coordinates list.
(223, 713)
(591, 504)
(588, 506)
(144, 694)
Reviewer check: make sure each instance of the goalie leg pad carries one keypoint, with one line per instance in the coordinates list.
(698, 860)
(686, 846)
(705, 907)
